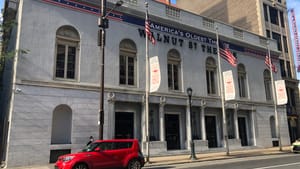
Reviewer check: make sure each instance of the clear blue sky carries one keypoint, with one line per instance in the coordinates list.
(1, 3)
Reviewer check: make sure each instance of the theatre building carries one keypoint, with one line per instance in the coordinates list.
(50, 93)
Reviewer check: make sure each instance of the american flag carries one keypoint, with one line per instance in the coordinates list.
(148, 31)
(227, 55)
(269, 64)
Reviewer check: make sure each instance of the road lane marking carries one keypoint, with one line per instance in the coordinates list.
(275, 166)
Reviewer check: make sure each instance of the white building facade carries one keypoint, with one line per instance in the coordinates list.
(52, 106)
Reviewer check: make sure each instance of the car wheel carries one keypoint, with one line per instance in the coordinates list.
(80, 166)
(134, 164)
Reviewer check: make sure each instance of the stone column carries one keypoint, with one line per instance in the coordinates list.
(203, 129)
(188, 125)
(111, 115)
(253, 117)
(162, 134)
(236, 123)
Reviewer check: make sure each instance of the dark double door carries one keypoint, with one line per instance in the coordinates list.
(211, 131)
(124, 125)
(172, 131)
(243, 131)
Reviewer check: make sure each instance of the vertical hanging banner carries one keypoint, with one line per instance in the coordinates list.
(281, 95)
(229, 89)
(155, 77)
(296, 38)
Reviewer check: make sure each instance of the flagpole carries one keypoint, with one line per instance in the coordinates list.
(277, 124)
(147, 93)
(225, 136)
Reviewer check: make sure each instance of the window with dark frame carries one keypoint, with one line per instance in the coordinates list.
(211, 69)
(127, 63)
(242, 81)
(281, 19)
(274, 15)
(277, 37)
(173, 70)
(266, 12)
(267, 83)
(67, 45)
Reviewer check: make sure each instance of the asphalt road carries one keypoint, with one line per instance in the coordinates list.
(284, 161)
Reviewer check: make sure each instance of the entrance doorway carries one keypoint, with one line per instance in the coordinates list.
(211, 131)
(243, 130)
(124, 125)
(172, 131)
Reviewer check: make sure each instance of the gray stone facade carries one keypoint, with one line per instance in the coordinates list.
(41, 97)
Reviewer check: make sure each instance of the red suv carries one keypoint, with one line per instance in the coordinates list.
(118, 153)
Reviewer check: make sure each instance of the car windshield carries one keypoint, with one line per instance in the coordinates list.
(90, 147)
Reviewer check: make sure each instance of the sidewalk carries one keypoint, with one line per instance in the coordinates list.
(210, 156)
(205, 156)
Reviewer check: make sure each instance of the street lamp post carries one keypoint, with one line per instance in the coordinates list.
(103, 24)
(189, 93)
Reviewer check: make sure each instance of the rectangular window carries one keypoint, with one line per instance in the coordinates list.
(172, 12)
(60, 61)
(266, 12)
(289, 71)
(71, 62)
(210, 75)
(282, 68)
(281, 19)
(242, 86)
(274, 15)
(268, 90)
(65, 61)
(268, 33)
(127, 70)
(173, 76)
(285, 45)
(277, 37)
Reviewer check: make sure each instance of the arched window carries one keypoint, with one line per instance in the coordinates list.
(242, 81)
(268, 85)
(273, 127)
(67, 46)
(127, 62)
(61, 125)
(211, 69)
(174, 62)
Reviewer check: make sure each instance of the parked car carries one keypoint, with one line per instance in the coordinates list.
(296, 146)
(117, 153)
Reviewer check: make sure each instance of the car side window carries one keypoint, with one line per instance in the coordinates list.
(123, 145)
(106, 146)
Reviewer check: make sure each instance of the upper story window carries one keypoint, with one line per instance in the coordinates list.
(268, 33)
(172, 12)
(242, 80)
(174, 62)
(67, 47)
(282, 68)
(127, 62)
(285, 44)
(281, 19)
(266, 12)
(277, 37)
(268, 85)
(211, 69)
(274, 15)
